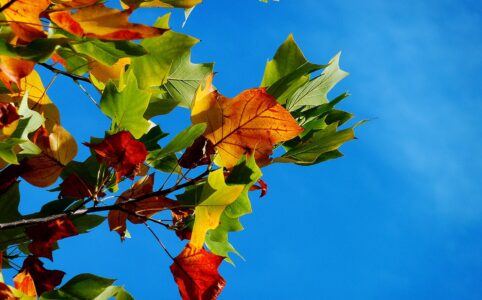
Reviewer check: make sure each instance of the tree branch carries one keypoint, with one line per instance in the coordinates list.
(72, 76)
(118, 206)
(7, 5)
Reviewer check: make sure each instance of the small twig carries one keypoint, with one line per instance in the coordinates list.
(7, 5)
(159, 241)
(72, 76)
(86, 92)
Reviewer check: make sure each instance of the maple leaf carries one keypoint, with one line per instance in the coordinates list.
(104, 23)
(121, 152)
(44, 280)
(196, 274)
(251, 123)
(147, 207)
(58, 149)
(24, 283)
(44, 235)
(215, 196)
(23, 16)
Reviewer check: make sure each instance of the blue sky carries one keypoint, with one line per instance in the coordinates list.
(399, 217)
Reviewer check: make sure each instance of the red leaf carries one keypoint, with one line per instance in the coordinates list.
(74, 187)
(262, 186)
(44, 235)
(44, 280)
(8, 114)
(179, 218)
(24, 283)
(121, 152)
(196, 274)
(147, 207)
(198, 154)
(6, 293)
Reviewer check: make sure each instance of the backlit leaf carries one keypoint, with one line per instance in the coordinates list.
(24, 18)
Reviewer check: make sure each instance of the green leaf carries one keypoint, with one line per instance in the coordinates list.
(151, 139)
(39, 50)
(323, 141)
(85, 223)
(76, 64)
(181, 141)
(126, 107)
(184, 79)
(109, 52)
(6, 150)
(161, 102)
(86, 286)
(167, 164)
(9, 201)
(153, 68)
(315, 92)
(29, 122)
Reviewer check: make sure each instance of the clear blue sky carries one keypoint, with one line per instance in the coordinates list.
(399, 217)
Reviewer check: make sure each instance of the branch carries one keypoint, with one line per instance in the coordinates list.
(118, 206)
(72, 76)
(7, 5)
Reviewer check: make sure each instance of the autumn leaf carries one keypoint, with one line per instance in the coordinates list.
(215, 197)
(6, 293)
(260, 186)
(74, 187)
(147, 207)
(121, 152)
(104, 73)
(44, 280)
(23, 16)
(104, 23)
(24, 283)
(8, 119)
(13, 70)
(196, 274)
(251, 123)
(44, 235)
(58, 149)
(198, 154)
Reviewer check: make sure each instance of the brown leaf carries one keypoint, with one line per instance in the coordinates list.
(251, 123)
(196, 274)
(6, 293)
(198, 154)
(180, 218)
(44, 280)
(147, 207)
(58, 149)
(44, 235)
(23, 16)
(101, 22)
(121, 152)
(74, 187)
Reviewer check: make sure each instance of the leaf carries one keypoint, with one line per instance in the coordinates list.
(153, 68)
(12, 70)
(181, 141)
(185, 78)
(121, 152)
(147, 207)
(315, 92)
(58, 149)
(215, 196)
(44, 280)
(126, 107)
(7, 152)
(101, 22)
(24, 283)
(30, 122)
(251, 123)
(199, 153)
(109, 52)
(5, 292)
(196, 274)
(321, 142)
(86, 286)
(9, 201)
(262, 186)
(45, 235)
(23, 16)
(287, 59)
(104, 73)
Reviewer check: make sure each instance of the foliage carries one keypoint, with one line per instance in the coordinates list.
(143, 71)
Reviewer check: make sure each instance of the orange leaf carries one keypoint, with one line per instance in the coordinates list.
(44, 235)
(104, 73)
(12, 70)
(58, 149)
(147, 207)
(23, 17)
(102, 22)
(44, 280)
(252, 122)
(196, 274)
(24, 283)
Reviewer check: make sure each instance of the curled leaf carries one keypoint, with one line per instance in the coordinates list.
(44, 280)
(196, 274)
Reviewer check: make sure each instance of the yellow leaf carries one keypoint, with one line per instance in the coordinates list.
(216, 195)
(104, 73)
(23, 17)
(251, 123)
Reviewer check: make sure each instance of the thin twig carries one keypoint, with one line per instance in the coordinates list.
(57, 71)
(86, 92)
(159, 241)
(7, 5)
